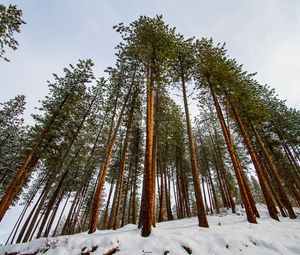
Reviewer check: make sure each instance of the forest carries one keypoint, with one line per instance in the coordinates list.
(110, 151)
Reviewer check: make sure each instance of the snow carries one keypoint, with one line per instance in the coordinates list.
(228, 234)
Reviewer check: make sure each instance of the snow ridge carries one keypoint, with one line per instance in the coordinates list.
(228, 234)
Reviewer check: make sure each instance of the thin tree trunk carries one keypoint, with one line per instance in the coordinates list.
(104, 219)
(123, 160)
(222, 190)
(184, 188)
(49, 224)
(61, 214)
(18, 223)
(36, 226)
(137, 147)
(22, 180)
(113, 207)
(204, 193)
(162, 166)
(293, 187)
(259, 170)
(209, 194)
(290, 156)
(195, 171)
(154, 164)
(25, 225)
(213, 191)
(66, 227)
(244, 177)
(283, 194)
(168, 197)
(130, 198)
(60, 184)
(238, 172)
(227, 184)
(9, 195)
(105, 165)
(125, 200)
(58, 167)
(51, 204)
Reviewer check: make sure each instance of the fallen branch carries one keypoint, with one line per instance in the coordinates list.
(112, 251)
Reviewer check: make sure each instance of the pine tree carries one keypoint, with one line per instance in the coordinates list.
(10, 22)
(12, 139)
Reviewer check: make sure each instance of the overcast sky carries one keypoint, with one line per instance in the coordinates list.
(264, 36)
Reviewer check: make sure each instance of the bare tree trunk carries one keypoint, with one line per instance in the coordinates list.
(9, 195)
(168, 196)
(283, 194)
(259, 170)
(221, 184)
(204, 193)
(147, 199)
(125, 199)
(137, 147)
(104, 219)
(238, 172)
(50, 222)
(123, 161)
(105, 165)
(162, 166)
(154, 164)
(18, 223)
(213, 191)
(209, 194)
(61, 214)
(195, 171)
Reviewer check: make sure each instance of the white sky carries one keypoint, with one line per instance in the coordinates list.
(262, 35)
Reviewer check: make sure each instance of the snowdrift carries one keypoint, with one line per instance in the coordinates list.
(228, 234)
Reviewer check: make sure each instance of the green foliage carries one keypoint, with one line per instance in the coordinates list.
(256, 191)
(10, 22)
(12, 139)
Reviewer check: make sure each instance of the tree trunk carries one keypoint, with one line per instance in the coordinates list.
(61, 214)
(226, 181)
(113, 207)
(125, 199)
(104, 219)
(259, 170)
(238, 171)
(204, 193)
(283, 194)
(221, 186)
(184, 188)
(49, 224)
(209, 194)
(9, 195)
(195, 172)
(105, 165)
(16, 190)
(36, 226)
(153, 172)
(162, 166)
(123, 161)
(66, 227)
(137, 147)
(213, 191)
(147, 202)
(168, 197)
(18, 223)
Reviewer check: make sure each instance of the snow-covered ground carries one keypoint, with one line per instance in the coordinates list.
(227, 234)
